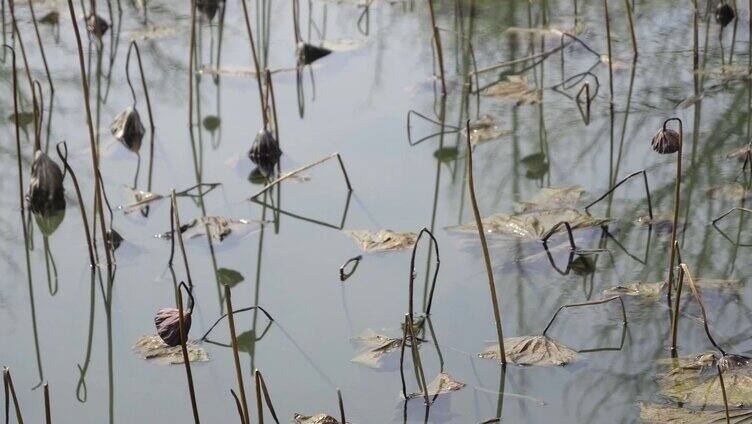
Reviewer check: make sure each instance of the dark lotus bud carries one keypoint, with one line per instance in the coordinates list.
(128, 129)
(208, 8)
(666, 142)
(308, 53)
(96, 25)
(265, 149)
(46, 193)
(168, 325)
(724, 14)
(113, 239)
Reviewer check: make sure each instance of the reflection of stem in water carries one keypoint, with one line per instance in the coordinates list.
(236, 357)
(52, 280)
(81, 393)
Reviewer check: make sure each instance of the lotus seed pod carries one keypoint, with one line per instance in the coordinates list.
(208, 8)
(167, 321)
(308, 53)
(46, 192)
(724, 14)
(128, 129)
(666, 142)
(265, 149)
(96, 25)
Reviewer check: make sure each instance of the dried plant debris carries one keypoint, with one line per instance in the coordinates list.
(616, 65)
(532, 225)
(128, 129)
(382, 240)
(315, 419)
(217, 227)
(378, 349)
(638, 289)
(137, 199)
(548, 30)
(152, 347)
(729, 191)
(485, 129)
(46, 193)
(695, 380)
(515, 88)
(549, 198)
(726, 73)
(652, 413)
(441, 385)
(533, 350)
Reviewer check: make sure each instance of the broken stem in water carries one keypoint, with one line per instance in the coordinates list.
(723, 392)
(696, 295)
(184, 349)
(411, 280)
(235, 355)
(341, 407)
(47, 409)
(593, 302)
(437, 44)
(303, 168)
(261, 388)
(484, 246)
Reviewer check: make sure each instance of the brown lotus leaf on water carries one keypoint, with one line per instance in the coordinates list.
(533, 350)
(378, 348)
(46, 194)
(315, 419)
(138, 199)
(532, 225)
(152, 347)
(652, 413)
(695, 380)
(441, 385)
(515, 88)
(485, 129)
(549, 198)
(167, 322)
(128, 129)
(728, 191)
(217, 227)
(382, 240)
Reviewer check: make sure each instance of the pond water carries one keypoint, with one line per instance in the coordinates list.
(77, 333)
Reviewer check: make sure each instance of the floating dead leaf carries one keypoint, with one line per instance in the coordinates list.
(315, 419)
(726, 73)
(441, 385)
(516, 88)
(728, 191)
(152, 347)
(695, 380)
(378, 348)
(218, 227)
(662, 222)
(652, 413)
(485, 129)
(382, 240)
(533, 350)
(553, 198)
(532, 225)
(646, 290)
(138, 199)
(228, 71)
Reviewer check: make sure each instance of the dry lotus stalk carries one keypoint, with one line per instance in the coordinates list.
(152, 347)
(383, 240)
(315, 419)
(534, 350)
(46, 193)
(516, 88)
(128, 129)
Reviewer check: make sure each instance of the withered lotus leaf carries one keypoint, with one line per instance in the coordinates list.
(652, 413)
(533, 350)
(128, 129)
(315, 419)
(441, 385)
(46, 193)
(382, 240)
(167, 321)
(152, 348)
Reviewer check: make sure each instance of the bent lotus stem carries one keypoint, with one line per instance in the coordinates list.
(409, 332)
(677, 199)
(261, 388)
(728, 212)
(410, 113)
(344, 275)
(179, 235)
(586, 90)
(8, 384)
(84, 219)
(237, 404)
(235, 355)
(133, 46)
(591, 303)
(484, 246)
(622, 181)
(250, 308)
(696, 295)
(186, 358)
(553, 230)
(411, 284)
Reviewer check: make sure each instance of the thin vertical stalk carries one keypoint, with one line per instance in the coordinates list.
(610, 58)
(47, 410)
(630, 18)
(41, 46)
(484, 246)
(261, 388)
(723, 392)
(416, 359)
(81, 206)
(191, 50)
(341, 407)
(179, 235)
(677, 199)
(264, 115)
(235, 355)
(92, 143)
(675, 317)
(437, 43)
(134, 46)
(8, 382)
(186, 359)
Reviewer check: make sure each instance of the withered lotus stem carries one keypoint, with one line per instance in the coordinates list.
(724, 14)
(167, 321)
(666, 141)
